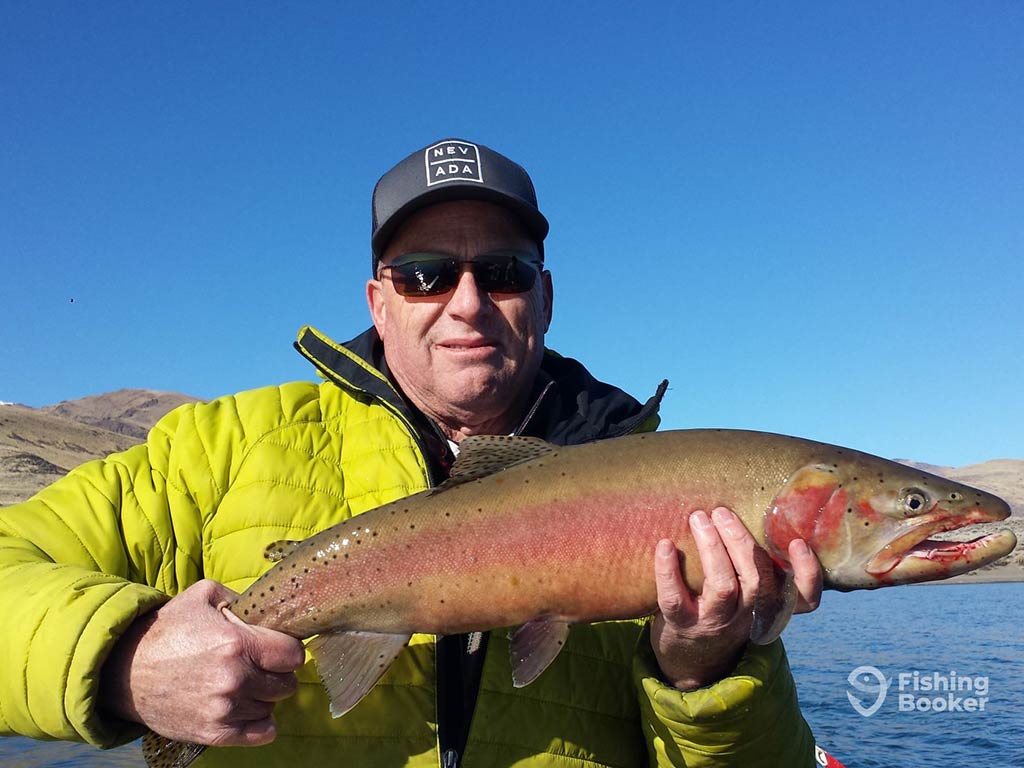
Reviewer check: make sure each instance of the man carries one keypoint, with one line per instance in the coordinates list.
(460, 303)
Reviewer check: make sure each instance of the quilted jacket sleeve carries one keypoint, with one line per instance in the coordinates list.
(82, 559)
(749, 719)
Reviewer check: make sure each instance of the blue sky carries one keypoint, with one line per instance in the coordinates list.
(809, 217)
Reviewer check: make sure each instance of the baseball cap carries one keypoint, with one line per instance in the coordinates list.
(452, 169)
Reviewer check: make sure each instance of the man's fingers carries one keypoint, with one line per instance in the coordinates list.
(271, 686)
(742, 549)
(268, 649)
(251, 733)
(807, 575)
(721, 588)
(674, 599)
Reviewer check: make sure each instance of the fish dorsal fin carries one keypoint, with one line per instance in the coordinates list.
(277, 551)
(351, 663)
(534, 646)
(483, 455)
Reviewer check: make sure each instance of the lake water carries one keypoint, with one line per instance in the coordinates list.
(953, 636)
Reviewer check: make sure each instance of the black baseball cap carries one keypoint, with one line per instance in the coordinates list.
(452, 169)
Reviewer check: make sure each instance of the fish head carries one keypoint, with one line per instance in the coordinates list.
(869, 521)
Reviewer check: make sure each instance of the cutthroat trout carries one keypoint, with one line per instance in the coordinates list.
(535, 536)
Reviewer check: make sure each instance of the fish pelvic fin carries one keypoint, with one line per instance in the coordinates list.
(483, 455)
(534, 646)
(351, 663)
(774, 603)
(161, 752)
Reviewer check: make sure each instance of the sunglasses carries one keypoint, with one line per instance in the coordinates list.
(434, 274)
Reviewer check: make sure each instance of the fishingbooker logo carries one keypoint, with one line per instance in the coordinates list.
(870, 681)
(917, 691)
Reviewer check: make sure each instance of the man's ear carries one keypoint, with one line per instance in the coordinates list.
(549, 299)
(375, 301)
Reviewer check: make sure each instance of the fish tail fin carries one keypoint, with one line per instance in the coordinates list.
(161, 752)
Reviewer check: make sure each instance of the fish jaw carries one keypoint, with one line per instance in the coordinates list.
(911, 556)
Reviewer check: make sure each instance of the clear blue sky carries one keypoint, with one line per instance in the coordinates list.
(808, 216)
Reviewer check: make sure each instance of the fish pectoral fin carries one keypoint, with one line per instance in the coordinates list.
(774, 605)
(277, 551)
(161, 752)
(534, 646)
(483, 455)
(351, 663)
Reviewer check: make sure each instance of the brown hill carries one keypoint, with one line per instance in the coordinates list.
(39, 445)
(127, 411)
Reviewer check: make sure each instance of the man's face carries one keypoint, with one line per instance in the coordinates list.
(466, 358)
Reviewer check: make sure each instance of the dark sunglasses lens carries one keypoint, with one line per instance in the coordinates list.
(504, 275)
(425, 278)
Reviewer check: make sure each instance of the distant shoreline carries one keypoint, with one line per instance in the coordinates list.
(1004, 574)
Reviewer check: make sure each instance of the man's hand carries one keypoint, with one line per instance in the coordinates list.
(192, 671)
(698, 640)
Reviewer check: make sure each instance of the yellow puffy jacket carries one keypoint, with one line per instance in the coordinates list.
(215, 483)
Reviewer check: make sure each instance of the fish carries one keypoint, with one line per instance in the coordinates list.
(536, 537)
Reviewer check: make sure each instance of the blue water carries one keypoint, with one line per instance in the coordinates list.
(968, 633)
(960, 634)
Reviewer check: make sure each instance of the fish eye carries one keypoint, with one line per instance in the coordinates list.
(914, 500)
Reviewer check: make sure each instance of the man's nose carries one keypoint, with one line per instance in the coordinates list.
(467, 298)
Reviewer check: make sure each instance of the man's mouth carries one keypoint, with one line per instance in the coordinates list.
(468, 344)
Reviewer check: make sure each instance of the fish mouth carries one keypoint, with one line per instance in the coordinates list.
(913, 556)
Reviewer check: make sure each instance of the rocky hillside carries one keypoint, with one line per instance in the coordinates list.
(38, 445)
(127, 411)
